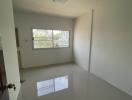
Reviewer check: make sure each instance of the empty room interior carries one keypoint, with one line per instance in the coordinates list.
(65, 50)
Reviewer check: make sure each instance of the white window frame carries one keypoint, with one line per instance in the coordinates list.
(52, 39)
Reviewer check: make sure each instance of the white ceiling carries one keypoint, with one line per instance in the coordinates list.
(72, 8)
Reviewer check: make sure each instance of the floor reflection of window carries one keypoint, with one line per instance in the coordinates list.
(45, 87)
(61, 83)
(52, 85)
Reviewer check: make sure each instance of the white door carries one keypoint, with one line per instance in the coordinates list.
(7, 30)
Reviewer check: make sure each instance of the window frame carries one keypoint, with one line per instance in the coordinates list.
(32, 39)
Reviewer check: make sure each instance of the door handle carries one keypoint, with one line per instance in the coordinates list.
(11, 86)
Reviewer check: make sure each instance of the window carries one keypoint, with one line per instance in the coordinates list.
(50, 38)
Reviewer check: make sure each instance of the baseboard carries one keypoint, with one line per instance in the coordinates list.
(49, 65)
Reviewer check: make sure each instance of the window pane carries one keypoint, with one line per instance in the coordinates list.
(43, 44)
(61, 38)
(41, 34)
(42, 38)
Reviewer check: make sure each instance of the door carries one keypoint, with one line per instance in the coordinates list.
(4, 95)
(7, 30)
(3, 82)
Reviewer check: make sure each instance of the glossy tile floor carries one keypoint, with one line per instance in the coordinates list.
(66, 82)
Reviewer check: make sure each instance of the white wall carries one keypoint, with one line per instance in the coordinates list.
(82, 40)
(112, 43)
(9, 46)
(31, 58)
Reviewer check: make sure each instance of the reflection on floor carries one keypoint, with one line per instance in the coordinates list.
(66, 82)
(52, 85)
